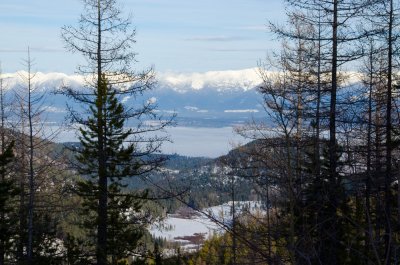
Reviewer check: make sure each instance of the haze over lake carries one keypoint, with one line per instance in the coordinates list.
(187, 141)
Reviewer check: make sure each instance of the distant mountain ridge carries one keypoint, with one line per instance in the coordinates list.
(216, 98)
(245, 79)
(209, 99)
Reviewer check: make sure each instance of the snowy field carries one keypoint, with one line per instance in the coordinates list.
(173, 228)
(183, 230)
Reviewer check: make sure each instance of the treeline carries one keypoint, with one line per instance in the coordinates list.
(327, 165)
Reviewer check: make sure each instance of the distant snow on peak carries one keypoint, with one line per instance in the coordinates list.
(42, 81)
(180, 82)
(221, 80)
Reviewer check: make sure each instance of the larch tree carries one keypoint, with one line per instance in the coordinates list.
(28, 113)
(385, 19)
(338, 27)
(111, 152)
(292, 82)
(380, 79)
(37, 172)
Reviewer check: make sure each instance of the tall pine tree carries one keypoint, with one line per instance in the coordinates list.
(123, 223)
(110, 153)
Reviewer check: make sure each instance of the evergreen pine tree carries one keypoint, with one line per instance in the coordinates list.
(157, 254)
(106, 40)
(124, 221)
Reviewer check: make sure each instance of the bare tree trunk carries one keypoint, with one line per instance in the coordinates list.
(31, 169)
(368, 230)
(102, 250)
(21, 170)
(318, 109)
(269, 239)
(3, 177)
(331, 257)
(388, 176)
(291, 200)
(234, 239)
(378, 168)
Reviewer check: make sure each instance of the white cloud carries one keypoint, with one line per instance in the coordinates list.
(53, 109)
(191, 108)
(242, 111)
(125, 99)
(217, 38)
(169, 111)
(152, 100)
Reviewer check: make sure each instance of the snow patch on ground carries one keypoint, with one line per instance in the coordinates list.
(174, 228)
(192, 228)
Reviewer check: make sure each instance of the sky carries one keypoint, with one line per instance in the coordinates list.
(172, 35)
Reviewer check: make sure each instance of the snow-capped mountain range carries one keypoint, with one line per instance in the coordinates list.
(217, 98)
(244, 80)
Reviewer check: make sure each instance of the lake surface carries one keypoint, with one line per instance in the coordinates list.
(187, 141)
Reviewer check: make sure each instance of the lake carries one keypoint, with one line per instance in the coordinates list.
(187, 141)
